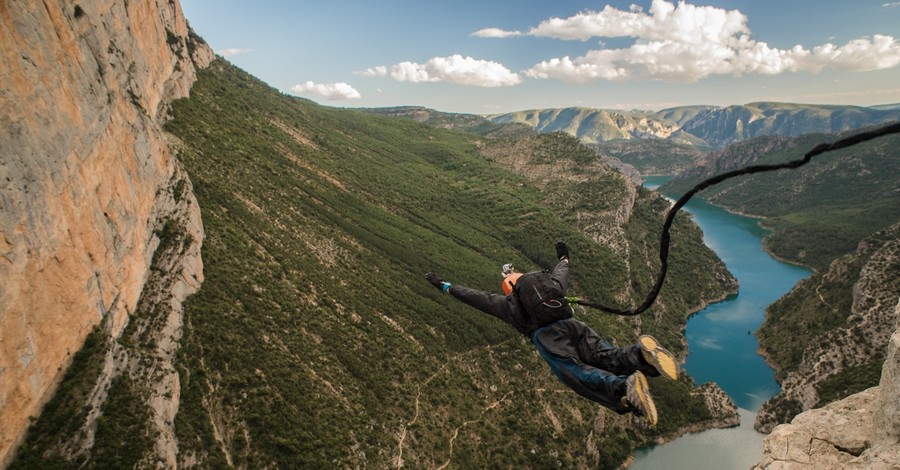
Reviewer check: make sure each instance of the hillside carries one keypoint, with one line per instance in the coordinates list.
(701, 126)
(817, 212)
(838, 323)
(314, 340)
(860, 431)
(595, 125)
(652, 156)
(460, 121)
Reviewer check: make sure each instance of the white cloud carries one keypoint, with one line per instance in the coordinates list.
(379, 71)
(685, 43)
(495, 33)
(454, 69)
(232, 51)
(891, 5)
(683, 23)
(331, 91)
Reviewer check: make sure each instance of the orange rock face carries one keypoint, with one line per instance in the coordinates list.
(82, 158)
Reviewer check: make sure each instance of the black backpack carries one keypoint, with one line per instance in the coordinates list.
(542, 297)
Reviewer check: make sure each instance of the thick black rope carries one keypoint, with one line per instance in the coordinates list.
(664, 238)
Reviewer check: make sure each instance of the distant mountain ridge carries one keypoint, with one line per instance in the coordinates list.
(701, 126)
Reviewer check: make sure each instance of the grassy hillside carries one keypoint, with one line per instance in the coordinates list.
(315, 341)
(817, 212)
(465, 122)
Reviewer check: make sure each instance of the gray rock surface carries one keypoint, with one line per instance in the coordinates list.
(859, 432)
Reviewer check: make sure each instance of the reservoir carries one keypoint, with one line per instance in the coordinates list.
(721, 344)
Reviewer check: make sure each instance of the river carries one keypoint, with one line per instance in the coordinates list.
(721, 344)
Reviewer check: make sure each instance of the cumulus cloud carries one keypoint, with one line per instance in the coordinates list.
(379, 71)
(232, 51)
(685, 43)
(495, 33)
(454, 69)
(331, 91)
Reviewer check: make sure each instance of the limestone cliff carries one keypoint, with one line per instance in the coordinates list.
(859, 432)
(86, 180)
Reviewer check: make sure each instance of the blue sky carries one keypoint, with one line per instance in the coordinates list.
(491, 56)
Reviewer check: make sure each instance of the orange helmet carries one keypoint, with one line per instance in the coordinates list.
(509, 281)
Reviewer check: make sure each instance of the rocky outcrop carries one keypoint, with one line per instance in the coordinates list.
(859, 432)
(86, 178)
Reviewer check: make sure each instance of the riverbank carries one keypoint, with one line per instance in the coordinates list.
(721, 346)
(761, 219)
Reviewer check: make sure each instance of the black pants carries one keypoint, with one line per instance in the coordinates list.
(587, 363)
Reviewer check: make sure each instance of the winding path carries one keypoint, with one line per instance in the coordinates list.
(402, 433)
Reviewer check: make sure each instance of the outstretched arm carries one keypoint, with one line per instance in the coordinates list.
(490, 303)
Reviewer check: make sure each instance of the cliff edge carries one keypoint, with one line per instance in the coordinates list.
(861, 431)
(87, 180)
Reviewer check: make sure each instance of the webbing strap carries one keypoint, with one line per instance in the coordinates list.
(665, 238)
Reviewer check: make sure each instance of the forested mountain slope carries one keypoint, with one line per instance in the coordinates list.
(315, 342)
(827, 338)
(816, 212)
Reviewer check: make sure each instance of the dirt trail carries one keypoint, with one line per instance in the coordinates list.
(402, 433)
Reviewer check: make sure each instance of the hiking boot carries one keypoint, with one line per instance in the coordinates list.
(662, 360)
(637, 396)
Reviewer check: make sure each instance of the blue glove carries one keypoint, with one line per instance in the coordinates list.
(436, 281)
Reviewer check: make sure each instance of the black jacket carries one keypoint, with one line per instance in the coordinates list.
(507, 308)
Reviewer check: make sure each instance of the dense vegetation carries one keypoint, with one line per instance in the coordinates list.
(315, 342)
(64, 413)
(465, 122)
(820, 211)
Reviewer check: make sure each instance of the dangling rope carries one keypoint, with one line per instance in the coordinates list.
(664, 238)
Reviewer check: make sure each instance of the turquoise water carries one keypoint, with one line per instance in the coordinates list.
(721, 344)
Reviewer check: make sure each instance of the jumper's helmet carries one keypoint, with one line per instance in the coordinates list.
(510, 276)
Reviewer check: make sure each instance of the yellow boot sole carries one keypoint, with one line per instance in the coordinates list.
(658, 357)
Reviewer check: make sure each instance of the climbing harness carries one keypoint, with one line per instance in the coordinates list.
(664, 238)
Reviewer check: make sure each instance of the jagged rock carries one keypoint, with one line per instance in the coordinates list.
(83, 168)
(859, 432)
(887, 420)
(720, 405)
